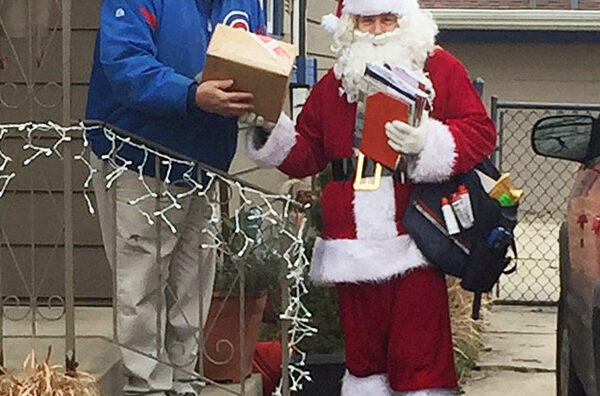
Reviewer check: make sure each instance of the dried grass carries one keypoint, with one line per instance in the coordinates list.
(467, 332)
(42, 379)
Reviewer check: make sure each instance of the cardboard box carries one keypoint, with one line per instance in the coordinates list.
(256, 64)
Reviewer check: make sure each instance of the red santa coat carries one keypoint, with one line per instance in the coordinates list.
(364, 239)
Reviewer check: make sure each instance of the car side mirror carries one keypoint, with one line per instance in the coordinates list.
(569, 137)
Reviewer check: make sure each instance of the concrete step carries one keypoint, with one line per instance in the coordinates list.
(89, 321)
(253, 388)
(519, 354)
(510, 383)
(520, 339)
(101, 358)
(95, 355)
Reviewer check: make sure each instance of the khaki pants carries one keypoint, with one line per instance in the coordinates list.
(157, 304)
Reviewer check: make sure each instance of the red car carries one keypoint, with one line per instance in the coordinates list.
(577, 138)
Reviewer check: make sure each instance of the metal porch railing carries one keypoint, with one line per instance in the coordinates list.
(276, 231)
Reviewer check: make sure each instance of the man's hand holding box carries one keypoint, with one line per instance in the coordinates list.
(256, 64)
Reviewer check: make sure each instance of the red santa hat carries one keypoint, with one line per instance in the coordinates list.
(366, 7)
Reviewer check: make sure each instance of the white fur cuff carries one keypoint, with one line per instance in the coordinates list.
(436, 162)
(374, 385)
(277, 147)
(364, 260)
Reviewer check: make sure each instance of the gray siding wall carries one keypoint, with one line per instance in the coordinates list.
(31, 212)
(37, 193)
(318, 40)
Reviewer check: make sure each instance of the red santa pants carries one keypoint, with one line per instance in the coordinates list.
(400, 328)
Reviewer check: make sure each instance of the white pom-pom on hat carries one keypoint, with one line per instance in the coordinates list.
(330, 23)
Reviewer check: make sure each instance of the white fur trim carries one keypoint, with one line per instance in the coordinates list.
(360, 260)
(436, 162)
(428, 392)
(376, 7)
(375, 212)
(330, 23)
(277, 147)
(374, 385)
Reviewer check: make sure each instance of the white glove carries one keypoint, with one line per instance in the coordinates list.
(253, 120)
(406, 139)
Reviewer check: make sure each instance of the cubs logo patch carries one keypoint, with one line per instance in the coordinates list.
(237, 20)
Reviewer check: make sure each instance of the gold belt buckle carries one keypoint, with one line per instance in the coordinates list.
(361, 185)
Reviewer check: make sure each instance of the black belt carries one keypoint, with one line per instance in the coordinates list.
(345, 169)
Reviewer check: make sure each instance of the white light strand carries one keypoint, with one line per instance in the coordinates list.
(294, 257)
(6, 179)
(5, 158)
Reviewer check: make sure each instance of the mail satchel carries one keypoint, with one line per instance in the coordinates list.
(477, 255)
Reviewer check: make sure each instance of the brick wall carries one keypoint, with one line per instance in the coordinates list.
(520, 4)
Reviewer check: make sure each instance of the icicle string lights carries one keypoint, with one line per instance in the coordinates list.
(287, 239)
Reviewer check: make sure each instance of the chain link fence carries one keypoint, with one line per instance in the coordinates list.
(547, 183)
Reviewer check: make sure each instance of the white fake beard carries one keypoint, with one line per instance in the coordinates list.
(405, 46)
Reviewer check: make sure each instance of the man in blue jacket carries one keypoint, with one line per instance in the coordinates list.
(146, 57)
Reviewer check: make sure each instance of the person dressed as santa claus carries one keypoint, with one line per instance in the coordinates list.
(393, 303)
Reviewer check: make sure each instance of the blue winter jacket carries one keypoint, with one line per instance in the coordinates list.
(146, 57)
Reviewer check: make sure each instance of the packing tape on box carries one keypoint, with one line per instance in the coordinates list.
(272, 46)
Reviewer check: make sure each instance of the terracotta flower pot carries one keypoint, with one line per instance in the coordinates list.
(222, 336)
